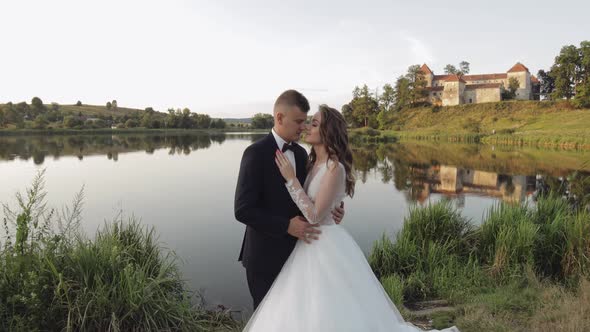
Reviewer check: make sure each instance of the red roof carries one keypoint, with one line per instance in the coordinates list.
(518, 67)
(479, 77)
(482, 77)
(424, 69)
(455, 78)
(483, 86)
(534, 79)
(441, 77)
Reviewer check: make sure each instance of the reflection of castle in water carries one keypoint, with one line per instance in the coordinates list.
(455, 181)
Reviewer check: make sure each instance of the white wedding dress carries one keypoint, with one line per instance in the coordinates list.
(326, 286)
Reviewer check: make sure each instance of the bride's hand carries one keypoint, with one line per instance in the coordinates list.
(284, 166)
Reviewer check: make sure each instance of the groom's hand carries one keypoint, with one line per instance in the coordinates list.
(338, 213)
(301, 229)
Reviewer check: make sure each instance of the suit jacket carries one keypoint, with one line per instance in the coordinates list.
(263, 203)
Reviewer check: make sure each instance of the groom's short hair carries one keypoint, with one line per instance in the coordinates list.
(293, 98)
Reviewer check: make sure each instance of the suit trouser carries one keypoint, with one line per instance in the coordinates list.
(259, 282)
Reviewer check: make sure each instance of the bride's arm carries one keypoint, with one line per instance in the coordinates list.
(330, 186)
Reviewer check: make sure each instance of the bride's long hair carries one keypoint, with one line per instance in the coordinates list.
(334, 135)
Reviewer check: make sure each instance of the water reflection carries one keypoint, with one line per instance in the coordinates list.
(418, 169)
(40, 147)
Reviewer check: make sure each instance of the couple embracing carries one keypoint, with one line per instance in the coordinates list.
(305, 272)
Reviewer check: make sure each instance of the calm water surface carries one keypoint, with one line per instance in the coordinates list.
(184, 186)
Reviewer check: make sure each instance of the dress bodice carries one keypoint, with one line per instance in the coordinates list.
(322, 191)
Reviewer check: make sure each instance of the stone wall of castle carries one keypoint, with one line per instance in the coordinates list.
(450, 90)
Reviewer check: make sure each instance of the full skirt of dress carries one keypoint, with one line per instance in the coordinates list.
(328, 286)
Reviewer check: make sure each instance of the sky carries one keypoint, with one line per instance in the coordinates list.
(233, 58)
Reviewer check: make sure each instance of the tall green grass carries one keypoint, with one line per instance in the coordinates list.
(431, 253)
(53, 278)
(439, 253)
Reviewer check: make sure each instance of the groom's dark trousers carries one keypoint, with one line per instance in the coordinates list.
(264, 205)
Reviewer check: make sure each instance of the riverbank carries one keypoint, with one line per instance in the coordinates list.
(548, 124)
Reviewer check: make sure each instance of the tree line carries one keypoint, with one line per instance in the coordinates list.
(569, 76)
(37, 115)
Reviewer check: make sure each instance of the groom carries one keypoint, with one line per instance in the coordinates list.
(262, 202)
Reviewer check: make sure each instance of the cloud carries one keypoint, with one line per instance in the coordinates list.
(420, 51)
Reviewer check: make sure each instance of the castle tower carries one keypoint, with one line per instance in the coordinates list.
(522, 74)
(453, 91)
(428, 74)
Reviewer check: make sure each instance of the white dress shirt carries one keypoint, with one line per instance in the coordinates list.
(289, 154)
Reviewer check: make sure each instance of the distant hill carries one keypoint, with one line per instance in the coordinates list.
(92, 110)
(236, 120)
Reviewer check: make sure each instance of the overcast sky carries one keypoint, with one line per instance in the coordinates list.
(232, 58)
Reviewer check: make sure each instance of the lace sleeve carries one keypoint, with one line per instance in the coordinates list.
(331, 184)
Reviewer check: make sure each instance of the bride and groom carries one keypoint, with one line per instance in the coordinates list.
(305, 272)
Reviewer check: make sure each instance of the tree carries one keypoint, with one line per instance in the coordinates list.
(584, 62)
(2, 118)
(71, 121)
(387, 98)
(202, 120)
(185, 119)
(582, 99)
(79, 103)
(149, 110)
(146, 121)
(450, 70)
(54, 106)
(114, 105)
(11, 115)
(262, 121)
(565, 72)
(218, 124)
(546, 84)
(582, 90)
(463, 69)
(418, 92)
(402, 93)
(40, 122)
(131, 123)
(347, 114)
(37, 106)
(513, 85)
(109, 105)
(364, 107)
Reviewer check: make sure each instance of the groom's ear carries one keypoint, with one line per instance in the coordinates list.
(279, 116)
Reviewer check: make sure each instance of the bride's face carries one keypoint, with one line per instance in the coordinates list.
(313, 130)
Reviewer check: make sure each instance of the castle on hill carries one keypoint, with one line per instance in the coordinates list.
(448, 90)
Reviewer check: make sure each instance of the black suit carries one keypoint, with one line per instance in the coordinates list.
(264, 205)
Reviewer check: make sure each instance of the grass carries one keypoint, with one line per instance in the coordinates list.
(52, 277)
(514, 272)
(530, 123)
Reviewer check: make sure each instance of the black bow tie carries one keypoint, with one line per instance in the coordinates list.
(288, 147)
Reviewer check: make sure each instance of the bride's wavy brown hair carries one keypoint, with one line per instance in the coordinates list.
(334, 135)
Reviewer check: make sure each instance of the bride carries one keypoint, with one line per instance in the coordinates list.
(326, 285)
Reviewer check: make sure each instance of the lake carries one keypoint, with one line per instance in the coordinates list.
(184, 184)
